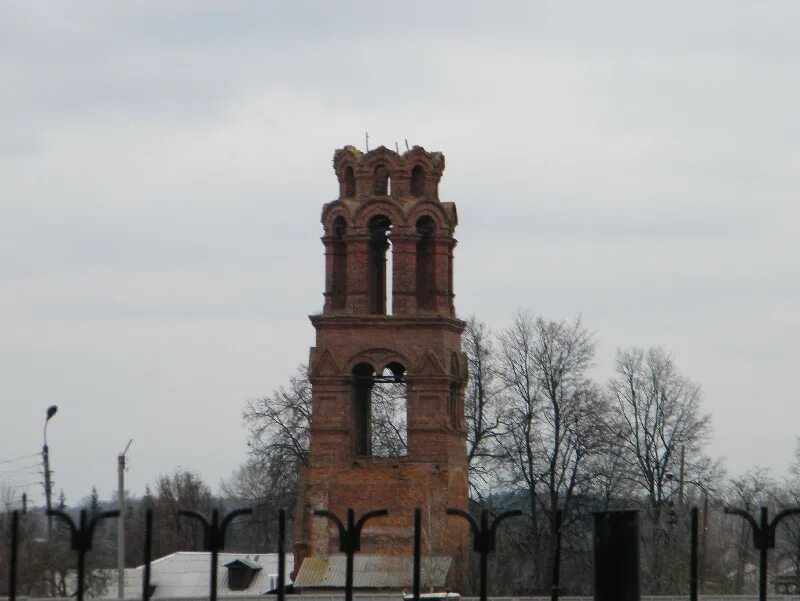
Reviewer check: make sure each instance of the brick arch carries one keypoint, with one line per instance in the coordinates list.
(430, 209)
(379, 156)
(332, 212)
(432, 162)
(387, 207)
(378, 358)
(344, 157)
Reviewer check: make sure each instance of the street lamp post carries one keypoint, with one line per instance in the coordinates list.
(48, 486)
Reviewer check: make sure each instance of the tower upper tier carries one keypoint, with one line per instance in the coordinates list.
(388, 201)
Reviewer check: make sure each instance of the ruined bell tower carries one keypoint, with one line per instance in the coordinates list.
(388, 330)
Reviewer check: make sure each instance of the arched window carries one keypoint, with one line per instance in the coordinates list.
(339, 275)
(381, 180)
(380, 420)
(426, 265)
(379, 227)
(349, 182)
(417, 181)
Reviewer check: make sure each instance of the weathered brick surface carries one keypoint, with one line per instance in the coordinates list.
(433, 475)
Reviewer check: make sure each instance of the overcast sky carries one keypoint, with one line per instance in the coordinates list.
(164, 164)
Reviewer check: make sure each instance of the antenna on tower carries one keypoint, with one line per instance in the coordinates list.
(396, 147)
(366, 135)
(407, 148)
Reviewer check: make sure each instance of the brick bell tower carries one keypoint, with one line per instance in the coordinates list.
(388, 230)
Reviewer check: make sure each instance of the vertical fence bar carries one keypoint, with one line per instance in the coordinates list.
(211, 533)
(763, 547)
(484, 586)
(348, 576)
(148, 553)
(693, 557)
(81, 574)
(557, 557)
(12, 576)
(82, 557)
(417, 548)
(281, 554)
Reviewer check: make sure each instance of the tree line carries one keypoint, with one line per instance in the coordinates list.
(546, 437)
(542, 435)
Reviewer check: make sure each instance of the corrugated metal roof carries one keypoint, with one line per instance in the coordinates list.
(370, 571)
(186, 574)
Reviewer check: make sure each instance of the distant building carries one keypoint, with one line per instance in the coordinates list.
(186, 575)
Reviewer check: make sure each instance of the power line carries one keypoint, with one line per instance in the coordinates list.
(16, 459)
(21, 485)
(8, 470)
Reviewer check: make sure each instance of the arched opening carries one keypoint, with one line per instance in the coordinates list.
(362, 390)
(349, 182)
(339, 275)
(379, 227)
(417, 181)
(380, 420)
(426, 265)
(381, 180)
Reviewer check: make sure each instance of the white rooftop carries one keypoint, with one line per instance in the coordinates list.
(186, 574)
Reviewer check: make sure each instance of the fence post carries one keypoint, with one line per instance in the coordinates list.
(693, 558)
(616, 556)
(215, 537)
(81, 538)
(281, 554)
(148, 553)
(557, 557)
(350, 539)
(484, 539)
(12, 576)
(763, 538)
(417, 551)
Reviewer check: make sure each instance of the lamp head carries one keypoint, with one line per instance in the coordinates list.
(51, 411)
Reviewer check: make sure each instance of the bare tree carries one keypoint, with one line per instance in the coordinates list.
(279, 424)
(181, 490)
(481, 405)
(660, 426)
(552, 417)
(388, 419)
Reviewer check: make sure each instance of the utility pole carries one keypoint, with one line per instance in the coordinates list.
(48, 484)
(121, 522)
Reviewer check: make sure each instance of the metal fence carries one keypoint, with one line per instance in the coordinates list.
(616, 567)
